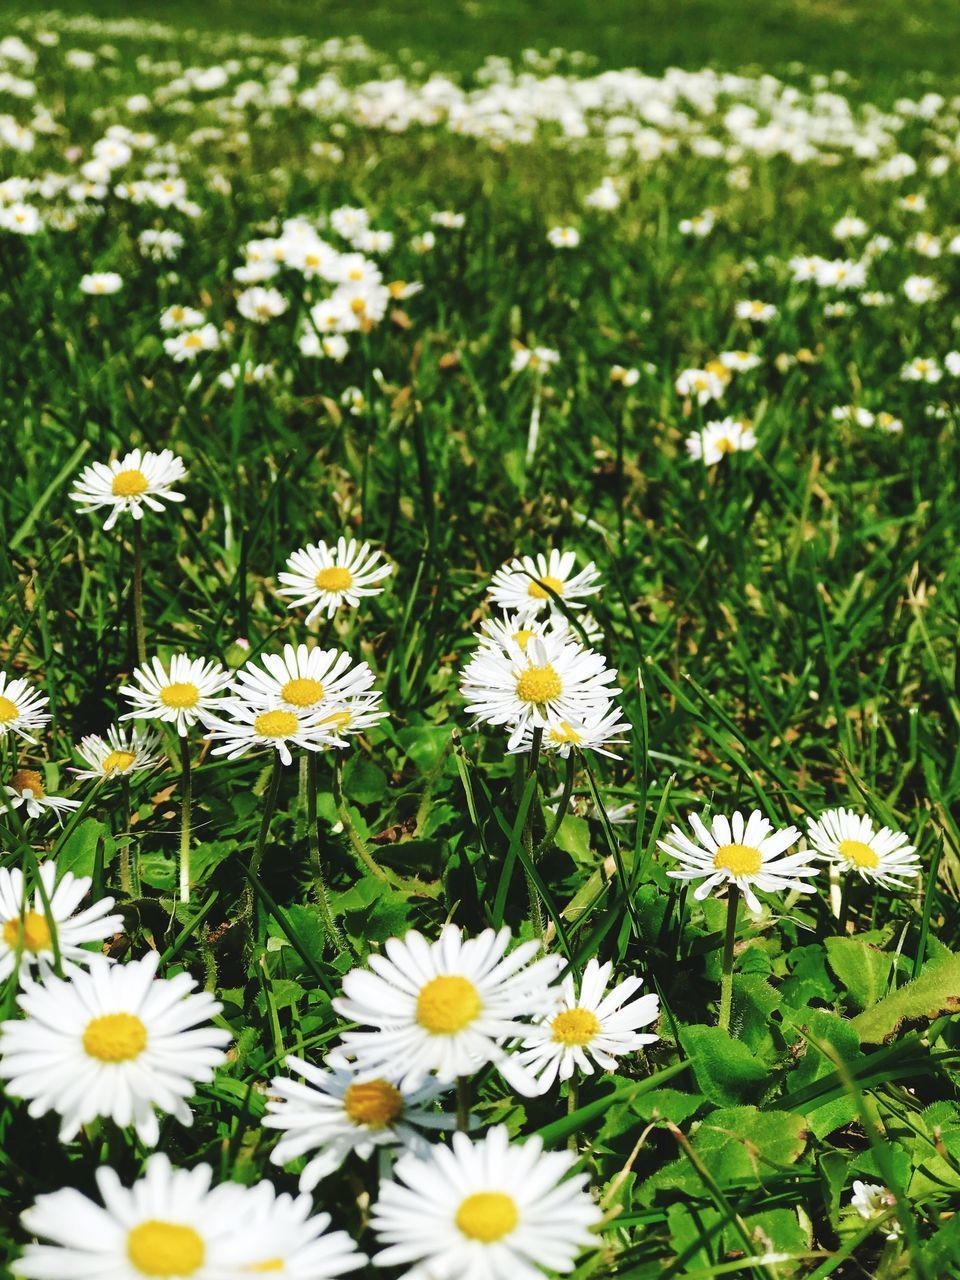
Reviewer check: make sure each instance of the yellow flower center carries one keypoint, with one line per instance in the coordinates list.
(180, 695)
(117, 1037)
(193, 340)
(538, 589)
(302, 692)
(860, 854)
(539, 685)
(738, 859)
(31, 933)
(8, 710)
(397, 288)
(334, 579)
(276, 724)
(268, 1264)
(127, 484)
(447, 1004)
(575, 1026)
(564, 732)
(339, 719)
(28, 780)
(522, 636)
(118, 762)
(487, 1216)
(165, 1249)
(374, 1104)
(726, 445)
(358, 306)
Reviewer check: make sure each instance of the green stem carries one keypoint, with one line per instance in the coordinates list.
(726, 973)
(319, 880)
(536, 915)
(126, 874)
(138, 627)
(562, 807)
(463, 1103)
(360, 850)
(186, 796)
(844, 915)
(573, 1102)
(269, 804)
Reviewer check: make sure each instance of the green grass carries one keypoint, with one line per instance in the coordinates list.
(784, 623)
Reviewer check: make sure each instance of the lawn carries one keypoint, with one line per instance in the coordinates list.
(574, 394)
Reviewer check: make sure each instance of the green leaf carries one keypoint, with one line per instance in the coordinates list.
(363, 781)
(863, 971)
(839, 1033)
(80, 850)
(935, 992)
(726, 1070)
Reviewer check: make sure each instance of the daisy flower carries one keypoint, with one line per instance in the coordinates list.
(21, 708)
(487, 1210)
(171, 1223)
(25, 928)
(594, 1024)
(179, 317)
(26, 788)
(129, 483)
(849, 840)
(188, 344)
(176, 696)
(515, 628)
(261, 304)
(326, 577)
(716, 439)
(598, 731)
(921, 369)
(550, 680)
(753, 309)
(244, 726)
(524, 585)
(445, 1007)
(336, 1111)
(701, 385)
(126, 750)
(564, 237)
(303, 679)
(745, 853)
(871, 1199)
(115, 1042)
(101, 282)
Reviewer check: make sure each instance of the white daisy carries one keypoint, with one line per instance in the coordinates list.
(597, 731)
(261, 304)
(25, 927)
(101, 282)
(525, 583)
(701, 385)
(303, 679)
(129, 483)
(170, 1223)
(753, 309)
(548, 681)
(850, 840)
(21, 708)
(189, 344)
(744, 853)
(446, 1007)
(921, 369)
(716, 439)
(594, 1024)
(244, 726)
(515, 628)
(178, 317)
(326, 577)
(176, 696)
(338, 1110)
(564, 237)
(25, 789)
(126, 750)
(484, 1210)
(116, 1041)
(871, 1199)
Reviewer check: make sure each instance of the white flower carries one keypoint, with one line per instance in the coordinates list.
(26, 789)
(525, 583)
(919, 289)
(261, 304)
(871, 1199)
(700, 384)
(921, 369)
(849, 228)
(913, 203)
(127, 749)
(115, 1041)
(25, 934)
(840, 274)
(564, 237)
(597, 731)
(349, 222)
(537, 359)
(605, 197)
(743, 853)
(176, 696)
(101, 282)
(326, 577)
(189, 344)
(243, 726)
(876, 298)
(445, 218)
(594, 1024)
(248, 373)
(758, 312)
(305, 680)
(171, 1224)
(484, 1210)
(549, 681)
(338, 1110)
(446, 1007)
(700, 225)
(178, 317)
(23, 219)
(926, 244)
(739, 361)
(623, 376)
(717, 439)
(805, 267)
(952, 362)
(160, 245)
(128, 484)
(21, 708)
(849, 840)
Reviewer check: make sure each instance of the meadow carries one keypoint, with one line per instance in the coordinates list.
(479, 702)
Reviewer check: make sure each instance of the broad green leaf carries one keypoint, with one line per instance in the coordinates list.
(935, 992)
(862, 970)
(79, 853)
(726, 1071)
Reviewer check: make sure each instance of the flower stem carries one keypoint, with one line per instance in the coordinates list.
(138, 627)
(359, 848)
(127, 876)
(463, 1103)
(726, 973)
(319, 881)
(573, 1101)
(536, 915)
(269, 804)
(844, 914)
(186, 796)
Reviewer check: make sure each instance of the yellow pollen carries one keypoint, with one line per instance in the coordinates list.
(447, 1004)
(334, 579)
(180, 695)
(193, 340)
(860, 854)
(268, 1264)
(739, 859)
(358, 306)
(539, 589)
(564, 732)
(302, 692)
(29, 934)
(8, 710)
(397, 288)
(487, 1216)
(339, 719)
(276, 724)
(127, 484)
(539, 685)
(165, 1249)
(374, 1104)
(118, 762)
(355, 274)
(718, 369)
(28, 780)
(575, 1026)
(117, 1037)
(726, 445)
(522, 636)
(177, 313)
